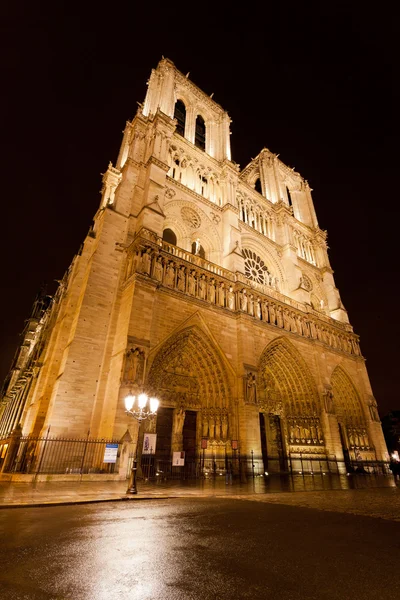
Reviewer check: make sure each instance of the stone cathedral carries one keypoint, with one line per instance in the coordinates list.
(207, 286)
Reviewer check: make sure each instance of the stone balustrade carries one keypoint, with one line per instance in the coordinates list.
(178, 270)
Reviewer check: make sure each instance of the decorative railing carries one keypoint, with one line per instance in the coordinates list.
(182, 272)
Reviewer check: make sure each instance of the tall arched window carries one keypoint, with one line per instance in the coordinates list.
(257, 186)
(200, 133)
(169, 236)
(180, 116)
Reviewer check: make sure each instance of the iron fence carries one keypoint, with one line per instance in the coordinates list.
(55, 455)
(153, 467)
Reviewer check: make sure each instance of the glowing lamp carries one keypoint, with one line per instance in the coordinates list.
(154, 402)
(142, 400)
(129, 401)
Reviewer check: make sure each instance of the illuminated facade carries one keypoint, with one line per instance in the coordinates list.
(211, 287)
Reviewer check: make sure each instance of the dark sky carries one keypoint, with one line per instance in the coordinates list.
(314, 82)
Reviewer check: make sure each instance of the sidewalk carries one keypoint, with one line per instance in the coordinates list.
(13, 495)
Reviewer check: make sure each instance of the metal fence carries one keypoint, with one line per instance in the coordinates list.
(54, 455)
(152, 467)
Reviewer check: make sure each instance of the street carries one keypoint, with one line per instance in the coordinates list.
(197, 548)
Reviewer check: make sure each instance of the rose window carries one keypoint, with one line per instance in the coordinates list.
(255, 268)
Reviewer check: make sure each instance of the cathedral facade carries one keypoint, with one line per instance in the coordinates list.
(209, 287)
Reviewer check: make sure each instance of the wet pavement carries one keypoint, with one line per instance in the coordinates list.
(204, 548)
(64, 492)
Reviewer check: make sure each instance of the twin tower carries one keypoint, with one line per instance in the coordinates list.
(209, 287)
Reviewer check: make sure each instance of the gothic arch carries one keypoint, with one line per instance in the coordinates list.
(346, 399)
(285, 382)
(189, 369)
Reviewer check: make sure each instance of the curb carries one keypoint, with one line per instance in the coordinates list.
(91, 501)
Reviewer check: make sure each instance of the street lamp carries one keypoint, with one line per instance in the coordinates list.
(140, 411)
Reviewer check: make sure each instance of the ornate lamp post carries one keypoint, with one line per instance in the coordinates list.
(140, 411)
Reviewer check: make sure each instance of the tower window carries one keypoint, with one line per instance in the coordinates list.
(169, 236)
(200, 133)
(180, 116)
(257, 186)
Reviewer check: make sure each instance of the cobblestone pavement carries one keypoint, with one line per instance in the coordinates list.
(383, 503)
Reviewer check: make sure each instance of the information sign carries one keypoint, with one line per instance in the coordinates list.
(178, 459)
(110, 453)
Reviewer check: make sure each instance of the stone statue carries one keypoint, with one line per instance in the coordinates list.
(251, 388)
(279, 318)
(158, 269)
(373, 410)
(265, 311)
(272, 314)
(298, 325)
(170, 275)
(211, 426)
(179, 420)
(224, 425)
(205, 425)
(197, 247)
(181, 279)
(146, 261)
(221, 294)
(201, 287)
(134, 360)
(258, 308)
(251, 305)
(192, 283)
(286, 320)
(304, 328)
(231, 298)
(211, 291)
(217, 426)
(243, 301)
(328, 400)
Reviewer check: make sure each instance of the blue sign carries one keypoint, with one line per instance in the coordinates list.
(110, 453)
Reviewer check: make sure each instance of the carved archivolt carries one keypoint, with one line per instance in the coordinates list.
(349, 412)
(286, 388)
(346, 400)
(284, 376)
(188, 370)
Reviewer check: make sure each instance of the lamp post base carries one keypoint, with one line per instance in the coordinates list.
(132, 489)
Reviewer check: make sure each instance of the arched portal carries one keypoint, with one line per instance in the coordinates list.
(189, 376)
(289, 405)
(351, 419)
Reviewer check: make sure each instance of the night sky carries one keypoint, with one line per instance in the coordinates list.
(314, 83)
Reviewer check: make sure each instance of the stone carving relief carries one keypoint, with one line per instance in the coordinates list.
(305, 430)
(215, 424)
(187, 370)
(305, 283)
(169, 192)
